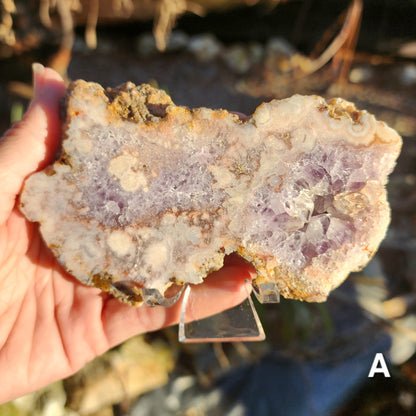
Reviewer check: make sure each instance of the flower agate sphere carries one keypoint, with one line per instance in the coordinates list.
(146, 194)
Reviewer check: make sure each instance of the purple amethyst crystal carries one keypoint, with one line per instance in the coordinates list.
(146, 194)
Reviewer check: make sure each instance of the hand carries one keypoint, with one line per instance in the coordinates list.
(50, 324)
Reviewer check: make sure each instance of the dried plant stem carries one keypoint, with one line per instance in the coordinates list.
(347, 36)
(167, 13)
(92, 19)
(221, 355)
(44, 16)
(67, 23)
(6, 25)
(125, 6)
(342, 60)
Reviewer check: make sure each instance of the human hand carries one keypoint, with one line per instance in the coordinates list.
(50, 324)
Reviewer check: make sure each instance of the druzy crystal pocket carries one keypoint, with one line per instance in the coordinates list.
(146, 194)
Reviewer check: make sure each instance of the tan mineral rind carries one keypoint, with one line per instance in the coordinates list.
(146, 194)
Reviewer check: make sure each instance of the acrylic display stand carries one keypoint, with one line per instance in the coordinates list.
(240, 323)
(152, 297)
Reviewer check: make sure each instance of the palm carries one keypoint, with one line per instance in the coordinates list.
(48, 319)
(50, 324)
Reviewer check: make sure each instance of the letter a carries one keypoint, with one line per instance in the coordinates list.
(379, 366)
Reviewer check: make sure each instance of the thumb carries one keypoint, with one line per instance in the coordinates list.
(31, 143)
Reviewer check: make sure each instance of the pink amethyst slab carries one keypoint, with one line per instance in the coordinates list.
(146, 194)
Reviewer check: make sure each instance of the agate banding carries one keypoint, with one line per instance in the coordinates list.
(146, 194)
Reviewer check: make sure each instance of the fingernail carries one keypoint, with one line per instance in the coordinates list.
(37, 70)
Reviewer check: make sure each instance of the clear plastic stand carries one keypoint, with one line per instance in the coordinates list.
(240, 323)
(267, 293)
(153, 297)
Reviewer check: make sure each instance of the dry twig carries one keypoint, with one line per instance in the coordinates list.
(346, 39)
(7, 34)
(90, 29)
(123, 6)
(44, 15)
(167, 13)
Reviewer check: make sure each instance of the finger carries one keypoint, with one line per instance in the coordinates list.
(235, 259)
(221, 290)
(31, 143)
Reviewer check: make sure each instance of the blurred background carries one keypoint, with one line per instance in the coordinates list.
(235, 54)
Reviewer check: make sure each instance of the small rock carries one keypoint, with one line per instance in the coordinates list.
(406, 399)
(205, 47)
(280, 46)
(237, 59)
(256, 52)
(240, 58)
(408, 75)
(278, 53)
(408, 50)
(106, 44)
(177, 41)
(146, 45)
(134, 368)
(402, 347)
(361, 74)
(79, 45)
